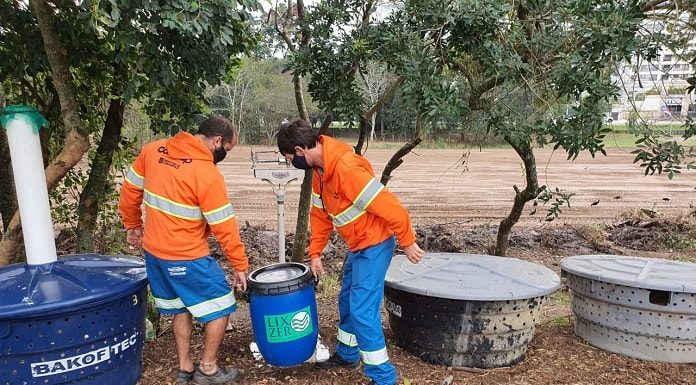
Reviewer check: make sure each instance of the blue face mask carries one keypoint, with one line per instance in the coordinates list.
(299, 161)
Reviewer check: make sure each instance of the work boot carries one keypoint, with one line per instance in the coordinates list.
(224, 375)
(335, 361)
(183, 377)
(372, 382)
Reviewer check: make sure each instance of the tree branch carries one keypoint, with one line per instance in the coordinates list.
(34, 92)
(396, 159)
(385, 97)
(302, 19)
(328, 119)
(654, 4)
(283, 32)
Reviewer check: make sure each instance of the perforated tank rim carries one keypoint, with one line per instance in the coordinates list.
(640, 272)
(71, 283)
(471, 277)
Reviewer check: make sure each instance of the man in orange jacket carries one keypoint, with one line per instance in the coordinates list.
(185, 199)
(346, 195)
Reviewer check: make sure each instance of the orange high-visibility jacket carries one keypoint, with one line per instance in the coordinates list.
(347, 196)
(185, 198)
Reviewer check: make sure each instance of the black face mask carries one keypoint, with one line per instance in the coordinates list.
(219, 154)
(299, 161)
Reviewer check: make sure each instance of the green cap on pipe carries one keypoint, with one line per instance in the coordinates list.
(19, 111)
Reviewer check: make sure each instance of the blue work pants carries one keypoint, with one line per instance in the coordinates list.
(360, 332)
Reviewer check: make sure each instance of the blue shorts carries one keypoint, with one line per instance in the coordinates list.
(197, 286)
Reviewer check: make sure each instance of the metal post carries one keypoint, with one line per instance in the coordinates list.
(281, 226)
(279, 176)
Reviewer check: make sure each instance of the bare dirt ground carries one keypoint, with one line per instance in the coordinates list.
(444, 185)
(456, 203)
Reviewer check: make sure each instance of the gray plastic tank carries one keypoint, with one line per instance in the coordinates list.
(639, 307)
(466, 310)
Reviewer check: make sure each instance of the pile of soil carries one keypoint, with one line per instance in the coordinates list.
(650, 232)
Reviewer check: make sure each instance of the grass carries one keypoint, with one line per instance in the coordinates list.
(437, 144)
(669, 127)
(615, 139)
(562, 321)
(678, 241)
(331, 284)
(561, 297)
(684, 258)
(620, 140)
(623, 139)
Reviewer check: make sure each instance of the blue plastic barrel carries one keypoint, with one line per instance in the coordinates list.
(79, 320)
(284, 313)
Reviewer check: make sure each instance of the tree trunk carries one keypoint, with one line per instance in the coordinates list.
(8, 200)
(300, 242)
(531, 191)
(299, 98)
(76, 141)
(370, 114)
(381, 125)
(372, 127)
(88, 209)
(358, 148)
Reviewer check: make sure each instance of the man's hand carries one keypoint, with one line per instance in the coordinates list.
(316, 266)
(135, 238)
(414, 253)
(240, 280)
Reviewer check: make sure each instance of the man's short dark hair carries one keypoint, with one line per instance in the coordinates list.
(217, 126)
(296, 132)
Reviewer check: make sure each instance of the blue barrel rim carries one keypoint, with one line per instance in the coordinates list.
(128, 273)
(305, 279)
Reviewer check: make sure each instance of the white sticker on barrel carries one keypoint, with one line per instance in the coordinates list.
(393, 308)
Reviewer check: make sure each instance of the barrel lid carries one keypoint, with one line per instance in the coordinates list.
(71, 283)
(279, 278)
(640, 272)
(471, 277)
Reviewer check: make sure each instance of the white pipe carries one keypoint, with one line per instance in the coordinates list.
(32, 194)
(281, 229)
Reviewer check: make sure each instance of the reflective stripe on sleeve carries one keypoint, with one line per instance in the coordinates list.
(135, 179)
(376, 357)
(346, 338)
(316, 201)
(219, 215)
(172, 208)
(360, 204)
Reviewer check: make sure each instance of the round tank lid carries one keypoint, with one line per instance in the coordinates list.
(279, 278)
(278, 275)
(71, 283)
(640, 272)
(471, 277)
